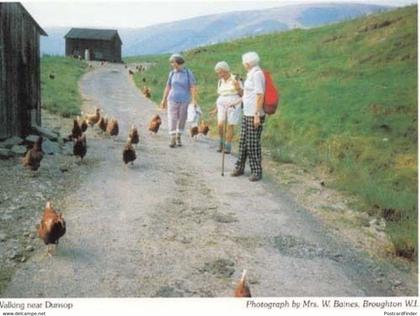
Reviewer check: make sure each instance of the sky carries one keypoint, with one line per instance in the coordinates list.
(144, 13)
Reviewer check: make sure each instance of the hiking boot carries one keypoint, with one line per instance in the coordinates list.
(172, 144)
(254, 178)
(178, 140)
(237, 172)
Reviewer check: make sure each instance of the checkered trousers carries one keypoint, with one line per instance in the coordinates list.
(250, 145)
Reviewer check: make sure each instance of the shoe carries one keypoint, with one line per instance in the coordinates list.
(254, 178)
(228, 148)
(220, 149)
(237, 173)
(178, 140)
(172, 144)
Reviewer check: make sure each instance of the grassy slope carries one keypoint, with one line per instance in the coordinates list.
(61, 95)
(349, 104)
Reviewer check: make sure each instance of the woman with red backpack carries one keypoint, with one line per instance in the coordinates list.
(253, 118)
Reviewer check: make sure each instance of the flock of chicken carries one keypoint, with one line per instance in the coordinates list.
(53, 226)
(111, 127)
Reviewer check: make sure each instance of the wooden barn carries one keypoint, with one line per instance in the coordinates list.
(20, 85)
(94, 44)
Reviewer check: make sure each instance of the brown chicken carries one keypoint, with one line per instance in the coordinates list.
(83, 124)
(155, 124)
(147, 92)
(103, 122)
(203, 128)
(194, 132)
(112, 127)
(80, 147)
(134, 135)
(242, 289)
(52, 227)
(93, 119)
(129, 154)
(76, 132)
(33, 157)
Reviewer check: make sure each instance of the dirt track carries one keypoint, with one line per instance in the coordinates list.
(172, 226)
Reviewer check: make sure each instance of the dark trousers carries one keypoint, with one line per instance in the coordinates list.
(250, 145)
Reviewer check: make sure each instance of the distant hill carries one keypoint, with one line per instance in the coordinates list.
(204, 30)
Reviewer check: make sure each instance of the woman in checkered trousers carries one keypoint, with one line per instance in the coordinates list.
(179, 92)
(253, 118)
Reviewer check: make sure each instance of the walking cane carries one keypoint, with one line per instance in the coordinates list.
(223, 144)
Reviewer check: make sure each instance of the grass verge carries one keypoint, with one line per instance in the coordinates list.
(61, 95)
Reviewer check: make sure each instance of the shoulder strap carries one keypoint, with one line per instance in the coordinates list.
(170, 76)
(188, 76)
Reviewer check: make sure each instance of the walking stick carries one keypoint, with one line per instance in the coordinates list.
(223, 144)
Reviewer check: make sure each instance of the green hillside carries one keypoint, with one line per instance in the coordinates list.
(61, 95)
(349, 105)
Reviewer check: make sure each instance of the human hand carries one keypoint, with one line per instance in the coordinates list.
(257, 121)
(213, 112)
(163, 106)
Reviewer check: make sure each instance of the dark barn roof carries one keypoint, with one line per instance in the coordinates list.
(41, 31)
(93, 34)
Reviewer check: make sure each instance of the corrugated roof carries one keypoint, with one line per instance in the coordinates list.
(97, 34)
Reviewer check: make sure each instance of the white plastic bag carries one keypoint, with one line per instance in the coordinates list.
(234, 115)
(193, 114)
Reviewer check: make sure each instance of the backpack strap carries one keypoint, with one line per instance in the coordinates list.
(188, 76)
(171, 74)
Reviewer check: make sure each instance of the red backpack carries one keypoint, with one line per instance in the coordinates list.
(271, 96)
